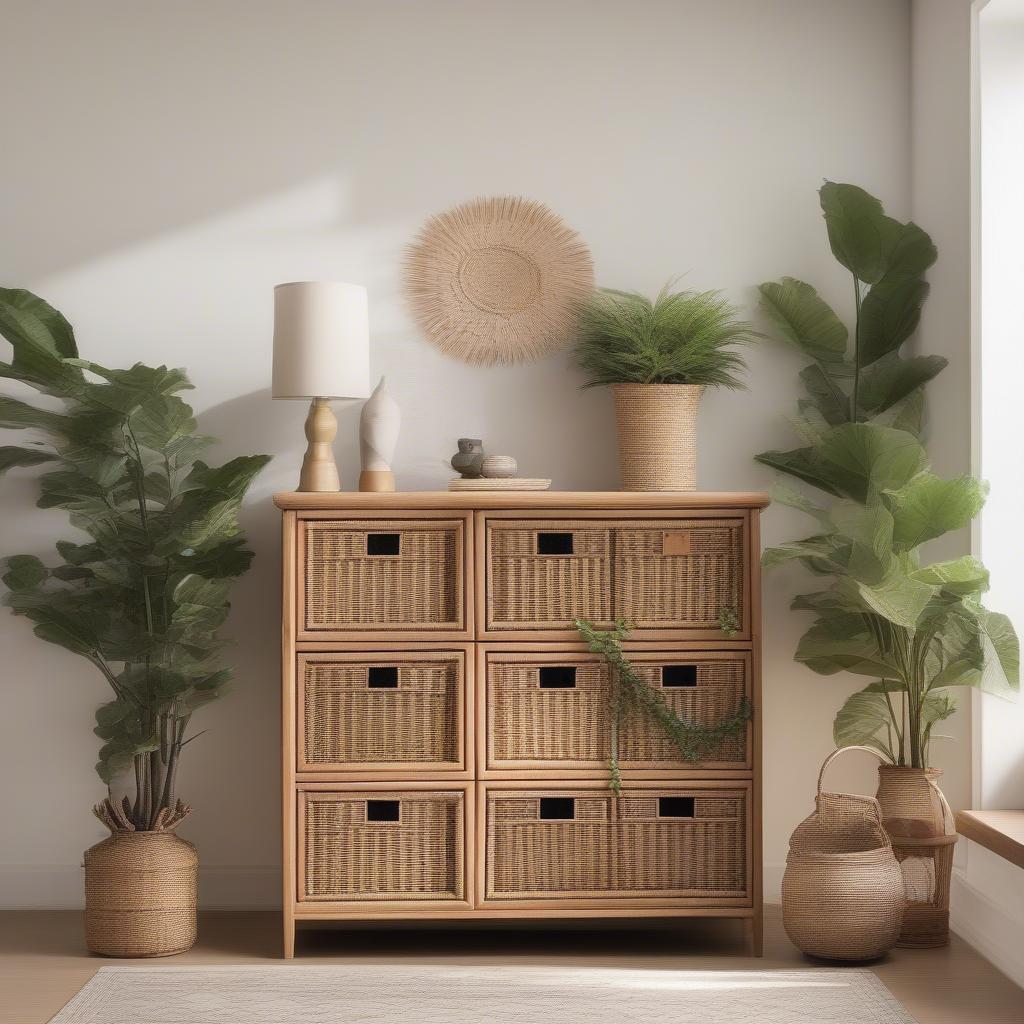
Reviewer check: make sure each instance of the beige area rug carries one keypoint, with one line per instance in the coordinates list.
(481, 995)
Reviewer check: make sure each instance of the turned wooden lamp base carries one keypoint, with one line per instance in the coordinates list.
(319, 470)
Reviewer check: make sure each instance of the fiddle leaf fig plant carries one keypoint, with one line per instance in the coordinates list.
(918, 629)
(143, 590)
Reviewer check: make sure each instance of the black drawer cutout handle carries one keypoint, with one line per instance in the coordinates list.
(675, 806)
(557, 808)
(383, 543)
(678, 675)
(382, 677)
(382, 810)
(554, 544)
(558, 677)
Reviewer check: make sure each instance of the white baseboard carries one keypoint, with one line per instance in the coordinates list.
(60, 887)
(773, 882)
(985, 924)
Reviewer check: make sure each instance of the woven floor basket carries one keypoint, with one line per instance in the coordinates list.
(921, 826)
(842, 893)
(657, 426)
(140, 895)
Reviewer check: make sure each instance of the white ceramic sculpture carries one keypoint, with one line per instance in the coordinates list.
(378, 434)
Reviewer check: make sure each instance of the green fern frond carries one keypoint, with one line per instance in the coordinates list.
(684, 337)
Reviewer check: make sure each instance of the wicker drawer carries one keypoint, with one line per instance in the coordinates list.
(367, 844)
(670, 577)
(400, 711)
(680, 573)
(372, 577)
(551, 710)
(663, 843)
(543, 574)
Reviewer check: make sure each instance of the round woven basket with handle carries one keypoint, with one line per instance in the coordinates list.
(140, 895)
(842, 893)
(657, 425)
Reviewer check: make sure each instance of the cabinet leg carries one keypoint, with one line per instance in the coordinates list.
(289, 940)
(754, 934)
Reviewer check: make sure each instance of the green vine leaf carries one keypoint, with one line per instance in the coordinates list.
(729, 620)
(631, 693)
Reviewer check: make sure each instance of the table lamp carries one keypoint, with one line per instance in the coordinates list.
(321, 352)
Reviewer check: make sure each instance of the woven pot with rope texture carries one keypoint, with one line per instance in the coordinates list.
(140, 895)
(921, 826)
(657, 426)
(842, 893)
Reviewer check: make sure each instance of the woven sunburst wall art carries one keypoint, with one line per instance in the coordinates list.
(498, 280)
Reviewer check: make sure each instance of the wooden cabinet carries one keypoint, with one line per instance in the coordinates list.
(446, 734)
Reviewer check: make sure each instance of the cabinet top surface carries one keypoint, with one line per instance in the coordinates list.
(298, 500)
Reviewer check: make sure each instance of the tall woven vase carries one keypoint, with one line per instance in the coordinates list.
(657, 426)
(140, 895)
(923, 833)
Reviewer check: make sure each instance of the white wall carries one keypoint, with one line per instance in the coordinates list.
(988, 897)
(166, 165)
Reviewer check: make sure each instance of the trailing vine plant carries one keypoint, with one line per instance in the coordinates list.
(632, 693)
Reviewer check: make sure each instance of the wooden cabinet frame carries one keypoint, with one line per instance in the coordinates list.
(473, 778)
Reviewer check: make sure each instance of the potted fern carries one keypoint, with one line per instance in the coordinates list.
(658, 357)
(140, 595)
(917, 629)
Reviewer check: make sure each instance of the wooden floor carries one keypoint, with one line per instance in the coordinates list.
(43, 963)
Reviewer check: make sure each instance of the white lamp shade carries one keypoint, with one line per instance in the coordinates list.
(321, 340)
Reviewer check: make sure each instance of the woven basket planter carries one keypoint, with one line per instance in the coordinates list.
(921, 826)
(657, 426)
(842, 893)
(140, 895)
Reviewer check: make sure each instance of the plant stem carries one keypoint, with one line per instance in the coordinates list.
(855, 401)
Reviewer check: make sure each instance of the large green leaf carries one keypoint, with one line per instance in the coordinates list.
(866, 241)
(961, 576)
(928, 506)
(200, 603)
(906, 414)
(162, 421)
(891, 379)
(842, 643)
(860, 234)
(826, 395)
(1001, 647)
(25, 319)
(889, 315)
(805, 319)
(16, 415)
(897, 597)
(937, 707)
(860, 459)
(862, 721)
(802, 464)
(24, 572)
(11, 456)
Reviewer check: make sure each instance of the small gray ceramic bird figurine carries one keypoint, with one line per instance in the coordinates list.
(468, 460)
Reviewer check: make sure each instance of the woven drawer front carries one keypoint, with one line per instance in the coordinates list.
(369, 574)
(350, 855)
(528, 720)
(678, 573)
(557, 708)
(545, 574)
(670, 842)
(718, 692)
(385, 709)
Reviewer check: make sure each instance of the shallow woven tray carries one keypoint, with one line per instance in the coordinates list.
(507, 484)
